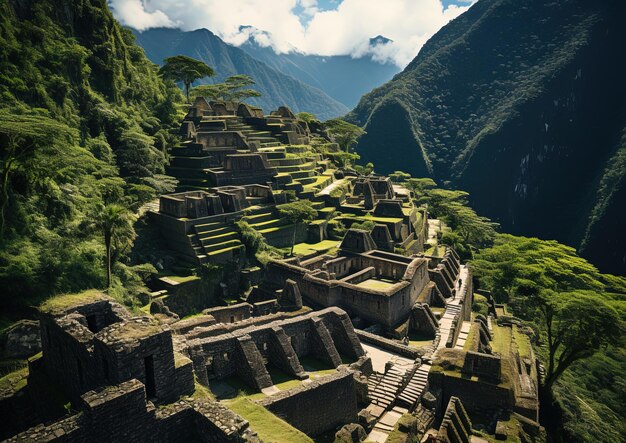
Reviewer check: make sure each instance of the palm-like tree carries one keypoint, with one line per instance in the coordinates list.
(115, 222)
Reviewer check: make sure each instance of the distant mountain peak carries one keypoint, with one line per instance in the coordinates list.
(380, 40)
(253, 36)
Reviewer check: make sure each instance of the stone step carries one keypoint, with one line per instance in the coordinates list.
(219, 246)
(220, 238)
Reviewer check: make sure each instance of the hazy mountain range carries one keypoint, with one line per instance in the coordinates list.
(325, 86)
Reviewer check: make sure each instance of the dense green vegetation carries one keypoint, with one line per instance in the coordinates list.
(522, 104)
(84, 123)
(575, 311)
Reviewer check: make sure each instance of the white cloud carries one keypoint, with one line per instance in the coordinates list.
(344, 30)
(136, 14)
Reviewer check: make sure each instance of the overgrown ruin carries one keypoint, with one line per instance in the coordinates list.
(367, 331)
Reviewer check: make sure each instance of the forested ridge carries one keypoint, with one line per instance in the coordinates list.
(84, 124)
(520, 103)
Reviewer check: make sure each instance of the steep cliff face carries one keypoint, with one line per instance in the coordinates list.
(522, 103)
(276, 87)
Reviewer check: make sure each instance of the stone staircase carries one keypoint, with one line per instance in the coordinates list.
(385, 392)
(414, 389)
(215, 242)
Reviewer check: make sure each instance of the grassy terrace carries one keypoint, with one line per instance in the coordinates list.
(376, 284)
(61, 302)
(523, 342)
(310, 248)
(14, 381)
(417, 340)
(501, 340)
(269, 427)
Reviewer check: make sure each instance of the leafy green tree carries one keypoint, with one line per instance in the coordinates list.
(299, 211)
(181, 68)
(232, 89)
(27, 142)
(343, 158)
(578, 324)
(345, 134)
(115, 223)
(236, 88)
(399, 176)
(306, 117)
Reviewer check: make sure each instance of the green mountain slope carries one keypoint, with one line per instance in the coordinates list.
(522, 103)
(83, 123)
(340, 76)
(276, 87)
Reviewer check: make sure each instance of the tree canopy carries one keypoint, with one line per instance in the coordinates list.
(345, 134)
(297, 212)
(232, 89)
(181, 68)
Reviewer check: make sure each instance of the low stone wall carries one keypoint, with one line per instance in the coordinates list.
(321, 406)
(388, 345)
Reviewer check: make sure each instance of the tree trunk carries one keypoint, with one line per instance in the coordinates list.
(187, 85)
(107, 245)
(293, 239)
(5, 198)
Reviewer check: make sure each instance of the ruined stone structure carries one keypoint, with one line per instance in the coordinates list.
(245, 349)
(378, 286)
(114, 368)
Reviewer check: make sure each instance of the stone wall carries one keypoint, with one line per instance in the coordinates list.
(387, 344)
(321, 406)
(230, 314)
(121, 413)
(475, 395)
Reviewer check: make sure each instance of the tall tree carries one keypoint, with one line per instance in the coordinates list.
(345, 134)
(578, 324)
(181, 68)
(27, 143)
(297, 212)
(115, 222)
(232, 89)
(236, 87)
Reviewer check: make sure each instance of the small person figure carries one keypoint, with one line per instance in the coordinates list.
(460, 283)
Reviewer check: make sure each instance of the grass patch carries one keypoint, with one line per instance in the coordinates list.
(201, 392)
(417, 340)
(501, 340)
(233, 387)
(311, 248)
(523, 342)
(14, 381)
(377, 285)
(270, 428)
(60, 303)
(469, 342)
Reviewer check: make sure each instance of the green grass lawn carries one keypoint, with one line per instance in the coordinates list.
(375, 284)
(310, 248)
(271, 429)
(501, 339)
(523, 342)
(417, 340)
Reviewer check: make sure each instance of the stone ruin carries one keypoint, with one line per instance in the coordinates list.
(113, 369)
(377, 286)
(132, 379)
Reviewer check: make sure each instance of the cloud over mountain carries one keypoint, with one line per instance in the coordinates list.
(345, 29)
